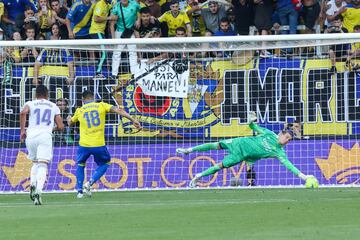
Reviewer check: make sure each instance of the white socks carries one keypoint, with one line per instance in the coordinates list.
(41, 176)
(33, 174)
(38, 175)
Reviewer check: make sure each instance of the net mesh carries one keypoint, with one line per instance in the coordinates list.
(188, 92)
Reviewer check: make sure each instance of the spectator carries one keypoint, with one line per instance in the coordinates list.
(15, 52)
(180, 32)
(146, 25)
(351, 15)
(244, 15)
(230, 15)
(354, 53)
(263, 10)
(176, 18)
(97, 30)
(59, 16)
(67, 136)
(334, 8)
(14, 8)
(310, 14)
(287, 15)
(212, 17)
(45, 19)
(2, 10)
(54, 56)
(78, 19)
(26, 18)
(225, 30)
(155, 9)
(130, 9)
(337, 52)
(263, 14)
(55, 32)
(193, 10)
(29, 54)
(165, 6)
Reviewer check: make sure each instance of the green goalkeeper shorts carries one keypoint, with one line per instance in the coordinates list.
(234, 157)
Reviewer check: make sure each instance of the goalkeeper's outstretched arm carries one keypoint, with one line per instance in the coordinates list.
(253, 125)
(285, 161)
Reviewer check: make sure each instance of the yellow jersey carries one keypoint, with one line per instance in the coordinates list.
(43, 21)
(351, 18)
(101, 9)
(355, 46)
(2, 11)
(92, 123)
(174, 22)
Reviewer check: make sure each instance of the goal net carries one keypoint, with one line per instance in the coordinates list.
(185, 92)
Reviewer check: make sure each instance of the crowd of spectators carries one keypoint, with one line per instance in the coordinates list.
(89, 19)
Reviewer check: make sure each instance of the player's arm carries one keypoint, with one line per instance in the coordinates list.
(123, 113)
(71, 121)
(285, 161)
(24, 112)
(59, 123)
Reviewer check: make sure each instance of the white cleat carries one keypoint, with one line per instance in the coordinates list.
(87, 189)
(183, 150)
(37, 199)
(80, 195)
(194, 182)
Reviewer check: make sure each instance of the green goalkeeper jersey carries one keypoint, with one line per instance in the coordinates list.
(264, 145)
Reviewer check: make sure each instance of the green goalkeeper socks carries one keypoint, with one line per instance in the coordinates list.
(205, 147)
(210, 171)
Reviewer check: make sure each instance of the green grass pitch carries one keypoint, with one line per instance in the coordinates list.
(264, 214)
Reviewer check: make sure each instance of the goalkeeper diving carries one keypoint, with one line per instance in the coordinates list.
(250, 149)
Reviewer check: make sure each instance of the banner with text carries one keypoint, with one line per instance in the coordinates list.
(204, 100)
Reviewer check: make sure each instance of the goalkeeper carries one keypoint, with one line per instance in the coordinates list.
(250, 149)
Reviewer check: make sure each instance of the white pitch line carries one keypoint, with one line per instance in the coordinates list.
(168, 203)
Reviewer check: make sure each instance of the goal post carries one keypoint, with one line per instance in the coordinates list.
(185, 92)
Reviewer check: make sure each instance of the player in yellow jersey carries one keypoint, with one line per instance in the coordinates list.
(176, 18)
(97, 29)
(92, 140)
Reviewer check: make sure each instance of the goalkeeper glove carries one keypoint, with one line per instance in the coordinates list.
(252, 116)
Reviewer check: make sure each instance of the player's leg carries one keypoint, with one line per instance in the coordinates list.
(102, 159)
(31, 146)
(81, 157)
(228, 161)
(200, 148)
(116, 58)
(44, 156)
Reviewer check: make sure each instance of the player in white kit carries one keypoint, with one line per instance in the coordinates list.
(38, 137)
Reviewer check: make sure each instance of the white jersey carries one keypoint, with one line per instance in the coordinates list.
(332, 9)
(41, 117)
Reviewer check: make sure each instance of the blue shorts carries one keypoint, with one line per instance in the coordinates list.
(101, 155)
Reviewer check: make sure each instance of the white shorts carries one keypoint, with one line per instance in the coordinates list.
(40, 147)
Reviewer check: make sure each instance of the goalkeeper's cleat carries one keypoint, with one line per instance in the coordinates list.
(183, 150)
(80, 194)
(37, 199)
(194, 182)
(32, 192)
(87, 189)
